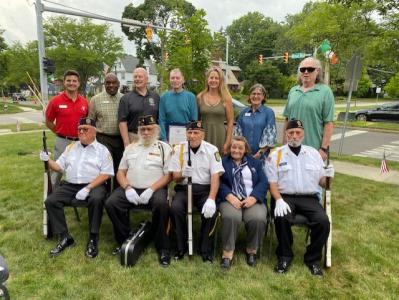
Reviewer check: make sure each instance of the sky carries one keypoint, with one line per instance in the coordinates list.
(18, 17)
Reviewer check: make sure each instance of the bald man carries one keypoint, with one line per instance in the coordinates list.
(139, 102)
(103, 109)
(312, 102)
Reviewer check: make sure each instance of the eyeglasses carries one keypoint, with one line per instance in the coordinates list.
(83, 129)
(309, 69)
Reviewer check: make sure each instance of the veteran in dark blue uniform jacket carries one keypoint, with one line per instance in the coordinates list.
(242, 197)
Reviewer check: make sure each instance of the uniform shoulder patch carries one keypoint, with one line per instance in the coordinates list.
(70, 146)
(217, 156)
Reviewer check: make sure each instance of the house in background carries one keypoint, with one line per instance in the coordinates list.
(232, 74)
(123, 69)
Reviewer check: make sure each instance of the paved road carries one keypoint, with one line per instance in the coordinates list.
(28, 116)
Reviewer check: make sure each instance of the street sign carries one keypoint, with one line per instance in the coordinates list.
(298, 55)
(378, 90)
(353, 73)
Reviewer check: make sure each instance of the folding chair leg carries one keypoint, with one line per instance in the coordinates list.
(76, 213)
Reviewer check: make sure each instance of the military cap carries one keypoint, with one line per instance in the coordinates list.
(294, 123)
(87, 121)
(195, 125)
(147, 120)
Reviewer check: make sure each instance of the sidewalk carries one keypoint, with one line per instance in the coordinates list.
(372, 173)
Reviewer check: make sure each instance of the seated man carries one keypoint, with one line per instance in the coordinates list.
(295, 172)
(87, 165)
(143, 177)
(205, 170)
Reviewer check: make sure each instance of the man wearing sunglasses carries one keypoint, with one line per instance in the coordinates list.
(312, 102)
(87, 165)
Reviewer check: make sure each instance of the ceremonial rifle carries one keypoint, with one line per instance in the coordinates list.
(47, 190)
(327, 207)
(189, 206)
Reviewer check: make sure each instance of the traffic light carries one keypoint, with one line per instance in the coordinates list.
(148, 33)
(48, 65)
(286, 57)
(260, 59)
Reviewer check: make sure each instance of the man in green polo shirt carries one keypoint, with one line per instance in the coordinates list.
(312, 102)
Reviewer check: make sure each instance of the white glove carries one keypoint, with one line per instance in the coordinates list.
(132, 196)
(282, 208)
(44, 156)
(209, 208)
(146, 196)
(329, 171)
(82, 194)
(187, 171)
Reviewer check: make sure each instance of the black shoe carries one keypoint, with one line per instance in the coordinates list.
(164, 258)
(116, 251)
(251, 259)
(207, 258)
(62, 245)
(179, 255)
(315, 269)
(282, 265)
(92, 249)
(225, 263)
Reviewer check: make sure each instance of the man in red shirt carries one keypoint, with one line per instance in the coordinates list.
(63, 114)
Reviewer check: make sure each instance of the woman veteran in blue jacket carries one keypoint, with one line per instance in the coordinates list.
(242, 196)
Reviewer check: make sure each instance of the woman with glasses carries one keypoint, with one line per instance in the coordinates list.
(257, 123)
(241, 197)
(215, 108)
(312, 102)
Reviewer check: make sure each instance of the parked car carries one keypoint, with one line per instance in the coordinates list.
(18, 97)
(386, 112)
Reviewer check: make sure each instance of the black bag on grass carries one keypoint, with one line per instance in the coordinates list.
(135, 245)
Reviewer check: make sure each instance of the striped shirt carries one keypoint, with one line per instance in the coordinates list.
(104, 110)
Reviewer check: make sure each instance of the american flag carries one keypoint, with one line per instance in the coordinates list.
(384, 166)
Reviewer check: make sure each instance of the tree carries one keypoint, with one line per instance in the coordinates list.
(392, 87)
(189, 49)
(160, 12)
(266, 74)
(250, 36)
(3, 45)
(80, 45)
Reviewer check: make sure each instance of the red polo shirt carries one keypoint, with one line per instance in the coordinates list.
(67, 113)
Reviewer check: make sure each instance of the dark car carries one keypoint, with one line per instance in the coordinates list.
(18, 97)
(386, 112)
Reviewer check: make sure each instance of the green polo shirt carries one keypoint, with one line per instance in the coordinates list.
(314, 108)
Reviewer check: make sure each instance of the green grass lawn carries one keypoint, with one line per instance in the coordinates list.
(365, 249)
(9, 108)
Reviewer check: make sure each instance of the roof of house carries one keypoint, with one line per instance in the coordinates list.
(130, 62)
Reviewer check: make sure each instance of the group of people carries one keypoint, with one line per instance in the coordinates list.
(127, 136)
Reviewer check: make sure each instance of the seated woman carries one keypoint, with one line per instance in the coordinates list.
(242, 196)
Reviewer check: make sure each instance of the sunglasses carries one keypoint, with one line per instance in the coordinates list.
(83, 129)
(309, 69)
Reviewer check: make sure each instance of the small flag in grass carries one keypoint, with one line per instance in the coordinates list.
(384, 167)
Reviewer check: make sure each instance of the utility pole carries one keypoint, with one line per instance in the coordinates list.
(40, 39)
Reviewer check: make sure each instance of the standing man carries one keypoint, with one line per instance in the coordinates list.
(295, 172)
(63, 114)
(87, 165)
(143, 176)
(139, 102)
(103, 109)
(312, 102)
(177, 106)
(205, 170)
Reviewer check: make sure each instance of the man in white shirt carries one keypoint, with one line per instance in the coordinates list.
(143, 177)
(205, 170)
(295, 172)
(87, 165)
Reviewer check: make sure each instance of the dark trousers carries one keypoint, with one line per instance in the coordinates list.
(179, 217)
(114, 144)
(117, 207)
(64, 195)
(308, 206)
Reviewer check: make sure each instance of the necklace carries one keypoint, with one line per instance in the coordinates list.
(211, 102)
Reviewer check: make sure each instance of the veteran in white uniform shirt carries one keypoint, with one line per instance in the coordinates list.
(87, 165)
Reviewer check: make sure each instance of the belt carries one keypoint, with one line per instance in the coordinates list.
(299, 195)
(67, 137)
